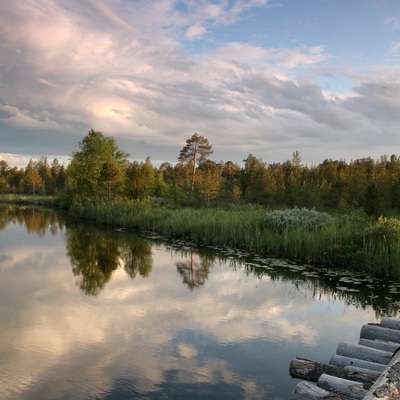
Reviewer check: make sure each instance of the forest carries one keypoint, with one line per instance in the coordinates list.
(99, 171)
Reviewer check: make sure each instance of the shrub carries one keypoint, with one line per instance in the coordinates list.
(382, 248)
(310, 220)
(386, 230)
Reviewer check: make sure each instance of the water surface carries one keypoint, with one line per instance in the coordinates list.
(94, 313)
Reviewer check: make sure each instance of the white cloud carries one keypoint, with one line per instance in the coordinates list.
(18, 160)
(195, 31)
(120, 67)
(276, 60)
(187, 351)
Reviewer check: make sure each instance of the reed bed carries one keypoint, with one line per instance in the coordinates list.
(350, 241)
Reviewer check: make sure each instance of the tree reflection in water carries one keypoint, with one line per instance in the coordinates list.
(37, 220)
(95, 252)
(137, 257)
(93, 256)
(194, 273)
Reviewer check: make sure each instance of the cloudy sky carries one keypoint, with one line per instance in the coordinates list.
(266, 77)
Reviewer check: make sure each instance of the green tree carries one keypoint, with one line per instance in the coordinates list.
(33, 180)
(360, 173)
(45, 173)
(210, 181)
(258, 183)
(292, 184)
(16, 180)
(296, 161)
(4, 172)
(111, 177)
(168, 173)
(58, 174)
(179, 183)
(196, 151)
(161, 188)
(140, 179)
(230, 189)
(373, 204)
(97, 169)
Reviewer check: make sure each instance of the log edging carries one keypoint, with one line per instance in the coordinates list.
(369, 370)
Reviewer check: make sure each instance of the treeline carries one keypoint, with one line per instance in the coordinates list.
(38, 177)
(100, 171)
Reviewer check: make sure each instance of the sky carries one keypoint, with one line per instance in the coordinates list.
(260, 77)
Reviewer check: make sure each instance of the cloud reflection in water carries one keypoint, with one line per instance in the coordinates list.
(140, 332)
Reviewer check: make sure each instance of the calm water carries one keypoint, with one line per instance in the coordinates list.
(90, 313)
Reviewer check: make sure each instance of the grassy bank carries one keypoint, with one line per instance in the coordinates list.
(351, 241)
(24, 199)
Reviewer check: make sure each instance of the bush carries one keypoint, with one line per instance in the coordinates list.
(382, 248)
(386, 230)
(310, 220)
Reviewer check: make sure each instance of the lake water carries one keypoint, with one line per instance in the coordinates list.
(94, 313)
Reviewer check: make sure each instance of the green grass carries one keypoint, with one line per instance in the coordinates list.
(27, 199)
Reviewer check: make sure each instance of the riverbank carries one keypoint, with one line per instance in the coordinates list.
(34, 200)
(349, 241)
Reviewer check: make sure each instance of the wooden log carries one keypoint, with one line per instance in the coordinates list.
(311, 371)
(364, 353)
(387, 386)
(342, 361)
(392, 323)
(354, 390)
(380, 345)
(362, 374)
(375, 332)
(309, 391)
